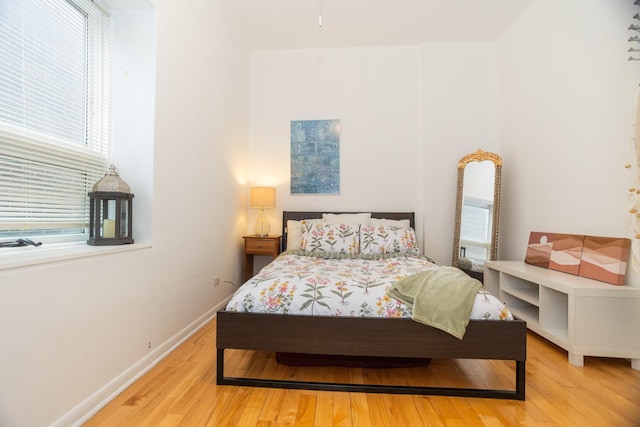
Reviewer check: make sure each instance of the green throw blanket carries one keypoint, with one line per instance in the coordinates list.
(442, 298)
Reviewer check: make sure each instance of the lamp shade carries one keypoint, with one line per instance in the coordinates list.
(262, 197)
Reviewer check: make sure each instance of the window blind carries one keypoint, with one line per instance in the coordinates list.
(54, 114)
(475, 228)
(475, 223)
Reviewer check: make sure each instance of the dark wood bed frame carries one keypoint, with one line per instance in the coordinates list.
(351, 336)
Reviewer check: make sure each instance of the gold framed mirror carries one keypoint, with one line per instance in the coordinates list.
(475, 235)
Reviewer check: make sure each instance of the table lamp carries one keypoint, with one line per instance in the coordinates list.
(261, 198)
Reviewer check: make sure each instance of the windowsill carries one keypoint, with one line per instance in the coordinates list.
(29, 255)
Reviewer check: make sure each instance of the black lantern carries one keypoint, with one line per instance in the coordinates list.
(111, 211)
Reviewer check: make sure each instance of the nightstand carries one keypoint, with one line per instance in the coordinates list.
(258, 245)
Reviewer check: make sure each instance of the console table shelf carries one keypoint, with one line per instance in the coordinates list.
(584, 316)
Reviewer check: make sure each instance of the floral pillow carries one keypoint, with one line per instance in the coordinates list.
(383, 239)
(330, 238)
(488, 307)
(294, 232)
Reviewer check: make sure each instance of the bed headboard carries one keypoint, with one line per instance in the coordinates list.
(300, 215)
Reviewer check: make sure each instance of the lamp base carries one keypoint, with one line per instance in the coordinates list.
(261, 227)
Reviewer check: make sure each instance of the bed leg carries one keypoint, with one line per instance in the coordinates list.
(220, 367)
(520, 379)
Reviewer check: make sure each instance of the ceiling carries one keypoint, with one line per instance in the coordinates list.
(293, 24)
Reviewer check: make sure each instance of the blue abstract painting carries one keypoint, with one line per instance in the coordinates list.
(315, 157)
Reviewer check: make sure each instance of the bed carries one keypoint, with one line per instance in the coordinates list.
(351, 336)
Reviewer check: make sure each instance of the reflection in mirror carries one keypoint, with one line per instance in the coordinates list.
(477, 211)
(475, 237)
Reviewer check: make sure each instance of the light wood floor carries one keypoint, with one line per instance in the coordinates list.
(181, 391)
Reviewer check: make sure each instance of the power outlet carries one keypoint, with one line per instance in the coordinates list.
(216, 281)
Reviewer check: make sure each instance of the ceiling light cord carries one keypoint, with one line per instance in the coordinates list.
(319, 13)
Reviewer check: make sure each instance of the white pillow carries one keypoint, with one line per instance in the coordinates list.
(358, 218)
(331, 238)
(403, 223)
(294, 232)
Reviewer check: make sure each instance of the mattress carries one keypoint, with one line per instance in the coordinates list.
(304, 283)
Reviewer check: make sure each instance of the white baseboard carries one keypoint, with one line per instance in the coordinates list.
(81, 413)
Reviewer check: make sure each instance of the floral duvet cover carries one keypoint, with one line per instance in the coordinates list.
(301, 283)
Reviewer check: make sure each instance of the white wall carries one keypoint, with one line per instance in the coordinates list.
(459, 116)
(374, 92)
(76, 331)
(567, 108)
(133, 74)
(408, 114)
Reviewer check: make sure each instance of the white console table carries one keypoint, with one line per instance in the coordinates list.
(584, 316)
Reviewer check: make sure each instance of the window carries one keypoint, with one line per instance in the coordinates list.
(54, 115)
(475, 230)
